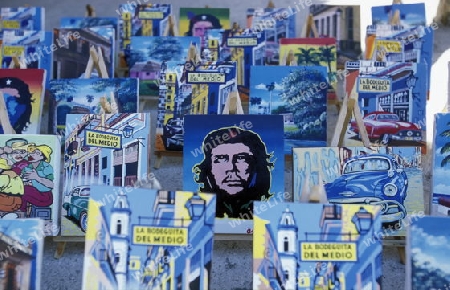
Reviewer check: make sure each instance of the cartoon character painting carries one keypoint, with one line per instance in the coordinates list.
(11, 188)
(27, 177)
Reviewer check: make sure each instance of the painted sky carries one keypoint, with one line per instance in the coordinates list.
(13, 37)
(142, 43)
(430, 242)
(104, 31)
(78, 22)
(440, 174)
(84, 88)
(264, 75)
(414, 14)
(23, 230)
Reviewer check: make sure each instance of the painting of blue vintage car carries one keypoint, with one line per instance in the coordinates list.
(76, 205)
(372, 179)
(388, 176)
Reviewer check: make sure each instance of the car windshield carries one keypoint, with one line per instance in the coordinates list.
(367, 164)
(176, 123)
(388, 117)
(85, 192)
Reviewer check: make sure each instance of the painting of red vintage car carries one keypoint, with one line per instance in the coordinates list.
(387, 127)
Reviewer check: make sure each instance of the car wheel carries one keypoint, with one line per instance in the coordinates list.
(83, 221)
(384, 140)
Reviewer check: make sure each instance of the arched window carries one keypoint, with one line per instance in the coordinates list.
(116, 258)
(286, 275)
(287, 220)
(119, 227)
(286, 244)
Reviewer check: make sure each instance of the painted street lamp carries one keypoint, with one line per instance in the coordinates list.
(411, 81)
(127, 131)
(196, 206)
(362, 220)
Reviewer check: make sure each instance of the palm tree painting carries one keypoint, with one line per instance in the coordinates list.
(313, 51)
(441, 165)
(328, 54)
(307, 56)
(445, 149)
(89, 98)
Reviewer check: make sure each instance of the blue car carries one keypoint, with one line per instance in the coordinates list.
(375, 179)
(76, 205)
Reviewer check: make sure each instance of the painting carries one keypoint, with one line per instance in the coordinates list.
(386, 176)
(299, 94)
(240, 158)
(343, 24)
(109, 149)
(193, 87)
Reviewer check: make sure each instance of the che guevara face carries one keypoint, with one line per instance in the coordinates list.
(231, 167)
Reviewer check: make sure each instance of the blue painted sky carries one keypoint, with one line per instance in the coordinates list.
(441, 175)
(302, 212)
(263, 75)
(23, 230)
(214, 33)
(84, 88)
(104, 31)
(142, 43)
(430, 241)
(414, 14)
(78, 22)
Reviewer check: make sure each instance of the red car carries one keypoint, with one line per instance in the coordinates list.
(387, 126)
